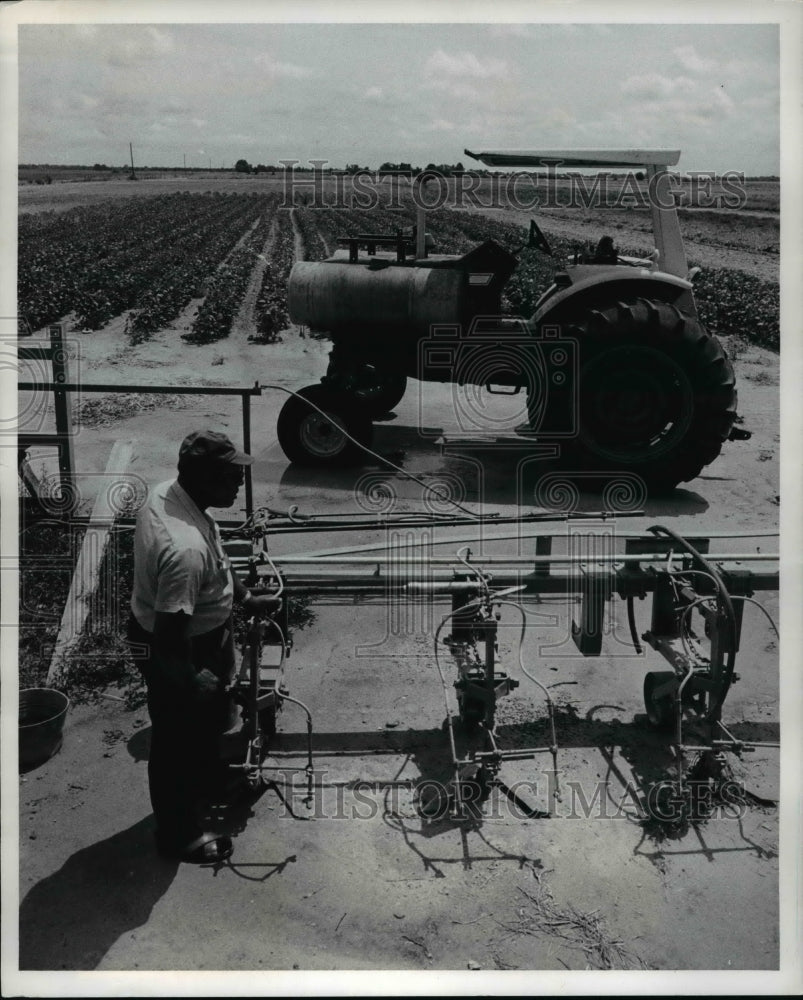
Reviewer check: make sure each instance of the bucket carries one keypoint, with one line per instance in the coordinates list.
(41, 720)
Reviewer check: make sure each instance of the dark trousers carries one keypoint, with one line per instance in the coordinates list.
(184, 762)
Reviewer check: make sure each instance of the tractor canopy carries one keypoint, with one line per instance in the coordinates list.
(601, 158)
(665, 225)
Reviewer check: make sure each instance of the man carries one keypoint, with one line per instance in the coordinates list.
(181, 604)
(606, 252)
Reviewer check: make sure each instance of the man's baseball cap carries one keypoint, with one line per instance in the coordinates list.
(211, 446)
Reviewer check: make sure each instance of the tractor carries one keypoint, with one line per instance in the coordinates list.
(617, 368)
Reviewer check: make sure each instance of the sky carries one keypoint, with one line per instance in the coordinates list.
(420, 93)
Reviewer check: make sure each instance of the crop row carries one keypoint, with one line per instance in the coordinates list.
(194, 264)
(153, 256)
(315, 243)
(732, 302)
(226, 288)
(66, 260)
(98, 262)
(270, 307)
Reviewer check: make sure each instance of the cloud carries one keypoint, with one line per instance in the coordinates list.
(657, 108)
(465, 76)
(413, 93)
(441, 125)
(240, 138)
(463, 65)
(286, 70)
(129, 45)
(769, 100)
(174, 106)
(750, 72)
(691, 61)
(161, 41)
(120, 103)
(292, 71)
(558, 116)
(722, 99)
(654, 86)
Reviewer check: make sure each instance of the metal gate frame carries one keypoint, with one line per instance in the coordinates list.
(62, 388)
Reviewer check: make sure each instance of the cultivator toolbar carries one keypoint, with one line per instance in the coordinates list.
(698, 599)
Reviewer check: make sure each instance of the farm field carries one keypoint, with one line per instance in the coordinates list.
(182, 282)
(86, 264)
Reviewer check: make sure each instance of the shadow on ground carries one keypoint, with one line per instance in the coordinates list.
(510, 471)
(71, 919)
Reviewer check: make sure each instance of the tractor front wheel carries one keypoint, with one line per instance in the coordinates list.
(319, 427)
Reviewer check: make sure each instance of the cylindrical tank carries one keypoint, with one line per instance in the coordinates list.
(334, 296)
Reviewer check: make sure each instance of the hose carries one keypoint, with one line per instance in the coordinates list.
(525, 671)
(631, 621)
(724, 596)
(278, 576)
(283, 639)
(760, 606)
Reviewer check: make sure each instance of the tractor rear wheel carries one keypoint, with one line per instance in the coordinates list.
(313, 426)
(655, 394)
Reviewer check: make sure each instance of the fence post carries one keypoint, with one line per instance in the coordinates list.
(62, 402)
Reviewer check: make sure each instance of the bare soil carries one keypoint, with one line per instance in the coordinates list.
(731, 239)
(355, 878)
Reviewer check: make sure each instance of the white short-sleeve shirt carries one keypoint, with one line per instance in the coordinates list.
(179, 562)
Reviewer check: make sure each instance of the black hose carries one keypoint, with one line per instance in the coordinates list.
(724, 597)
(631, 621)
